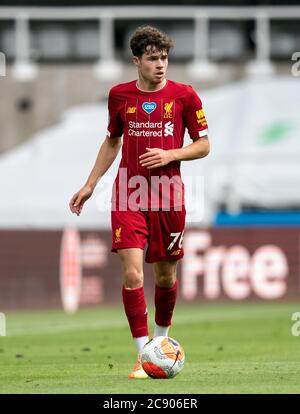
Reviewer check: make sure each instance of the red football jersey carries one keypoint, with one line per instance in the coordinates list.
(152, 120)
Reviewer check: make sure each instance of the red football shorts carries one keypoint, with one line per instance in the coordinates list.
(162, 230)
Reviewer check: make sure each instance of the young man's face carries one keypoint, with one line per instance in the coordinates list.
(152, 65)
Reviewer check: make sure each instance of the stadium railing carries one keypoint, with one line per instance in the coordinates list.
(108, 67)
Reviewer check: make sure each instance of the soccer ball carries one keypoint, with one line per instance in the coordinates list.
(162, 357)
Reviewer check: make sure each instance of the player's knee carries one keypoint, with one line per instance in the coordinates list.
(133, 279)
(165, 280)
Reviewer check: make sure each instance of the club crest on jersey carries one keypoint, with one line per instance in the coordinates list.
(168, 110)
(149, 107)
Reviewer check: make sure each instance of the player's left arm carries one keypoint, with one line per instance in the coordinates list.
(198, 149)
(196, 124)
(157, 157)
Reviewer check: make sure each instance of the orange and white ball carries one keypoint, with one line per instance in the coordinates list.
(162, 357)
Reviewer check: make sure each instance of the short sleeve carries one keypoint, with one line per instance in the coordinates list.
(194, 117)
(115, 122)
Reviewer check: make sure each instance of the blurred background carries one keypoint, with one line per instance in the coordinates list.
(58, 61)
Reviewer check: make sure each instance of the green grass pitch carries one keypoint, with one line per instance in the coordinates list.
(230, 348)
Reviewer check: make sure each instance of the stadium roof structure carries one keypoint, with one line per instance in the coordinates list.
(254, 129)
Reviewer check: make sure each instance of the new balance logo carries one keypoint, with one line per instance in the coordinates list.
(169, 128)
(131, 110)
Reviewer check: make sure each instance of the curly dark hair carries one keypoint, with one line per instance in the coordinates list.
(146, 36)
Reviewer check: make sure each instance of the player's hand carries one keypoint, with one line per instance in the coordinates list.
(78, 199)
(155, 157)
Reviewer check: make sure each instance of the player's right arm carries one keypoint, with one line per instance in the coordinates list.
(107, 153)
(106, 156)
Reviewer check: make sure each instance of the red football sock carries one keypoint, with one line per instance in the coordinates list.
(165, 299)
(136, 311)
